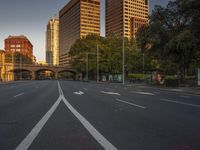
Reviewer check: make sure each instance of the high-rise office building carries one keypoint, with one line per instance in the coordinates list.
(77, 19)
(125, 17)
(52, 42)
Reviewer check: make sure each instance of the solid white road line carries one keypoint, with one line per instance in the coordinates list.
(24, 145)
(143, 93)
(182, 103)
(97, 136)
(110, 93)
(132, 104)
(18, 95)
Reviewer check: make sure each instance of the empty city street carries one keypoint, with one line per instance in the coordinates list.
(73, 115)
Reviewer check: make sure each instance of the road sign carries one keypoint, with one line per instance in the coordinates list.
(198, 75)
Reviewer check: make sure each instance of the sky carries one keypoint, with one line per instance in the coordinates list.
(30, 17)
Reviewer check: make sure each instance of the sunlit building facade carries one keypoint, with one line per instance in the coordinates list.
(19, 44)
(52, 42)
(6, 73)
(125, 17)
(77, 19)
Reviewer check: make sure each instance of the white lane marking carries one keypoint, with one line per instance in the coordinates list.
(25, 144)
(79, 93)
(132, 104)
(98, 136)
(182, 103)
(177, 90)
(18, 95)
(184, 96)
(12, 87)
(85, 89)
(110, 93)
(143, 93)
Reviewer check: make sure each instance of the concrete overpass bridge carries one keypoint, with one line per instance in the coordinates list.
(34, 71)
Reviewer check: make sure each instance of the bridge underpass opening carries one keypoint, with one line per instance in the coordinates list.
(45, 75)
(67, 75)
(22, 74)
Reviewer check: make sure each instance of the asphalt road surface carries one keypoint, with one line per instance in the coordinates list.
(70, 115)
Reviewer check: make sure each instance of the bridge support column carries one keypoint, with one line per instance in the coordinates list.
(33, 75)
(56, 75)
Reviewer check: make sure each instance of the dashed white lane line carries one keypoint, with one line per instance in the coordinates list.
(132, 104)
(85, 89)
(182, 103)
(25, 144)
(79, 93)
(184, 96)
(110, 93)
(18, 95)
(143, 93)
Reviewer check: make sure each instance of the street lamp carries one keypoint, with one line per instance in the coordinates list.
(143, 64)
(97, 61)
(123, 62)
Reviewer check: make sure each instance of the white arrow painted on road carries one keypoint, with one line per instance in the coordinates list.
(110, 93)
(79, 93)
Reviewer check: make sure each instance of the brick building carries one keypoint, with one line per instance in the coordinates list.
(19, 44)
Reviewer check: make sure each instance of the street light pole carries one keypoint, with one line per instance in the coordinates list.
(123, 52)
(97, 63)
(143, 64)
(86, 66)
(13, 65)
(20, 67)
(123, 63)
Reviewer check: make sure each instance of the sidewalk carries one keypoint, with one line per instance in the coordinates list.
(186, 90)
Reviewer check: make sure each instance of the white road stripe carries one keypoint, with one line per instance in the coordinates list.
(132, 104)
(18, 95)
(110, 93)
(184, 96)
(182, 103)
(79, 93)
(25, 144)
(85, 89)
(143, 93)
(98, 136)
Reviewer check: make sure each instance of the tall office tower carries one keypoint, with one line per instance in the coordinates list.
(125, 17)
(19, 44)
(52, 42)
(77, 19)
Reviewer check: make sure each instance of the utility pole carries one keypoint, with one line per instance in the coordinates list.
(97, 63)
(86, 66)
(123, 52)
(20, 67)
(123, 62)
(143, 61)
(13, 65)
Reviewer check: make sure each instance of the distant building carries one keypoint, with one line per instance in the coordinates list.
(77, 19)
(19, 44)
(125, 17)
(5, 74)
(42, 63)
(34, 59)
(52, 42)
(2, 64)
